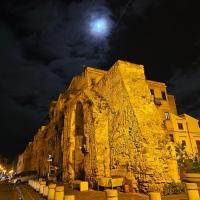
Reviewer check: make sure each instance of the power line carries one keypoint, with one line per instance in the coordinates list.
(124, 11)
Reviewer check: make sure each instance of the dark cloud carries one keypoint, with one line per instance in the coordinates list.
(185, 85)
(26, 89)
(43, 44)
(139, 7)
(164, 36)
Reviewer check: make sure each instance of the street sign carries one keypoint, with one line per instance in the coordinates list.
(50, 158)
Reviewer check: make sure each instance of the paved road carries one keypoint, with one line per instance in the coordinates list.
(8, 192)
(18, 192)
(24, 192)
(100, 195)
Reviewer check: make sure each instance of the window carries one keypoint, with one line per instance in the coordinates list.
(163, 95)
(180, 126)
(171, 137)
(93, 81)
(152, 91)
(183, 143)
(198, 145)
(167, 116)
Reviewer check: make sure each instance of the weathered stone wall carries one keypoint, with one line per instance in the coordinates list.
(138, 143)
(155, 142)
(123, 128)
(47, 141)
(107, 125)
(20, 164)
(90, 155)
(121, 122)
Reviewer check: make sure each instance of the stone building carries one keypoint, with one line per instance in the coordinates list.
(107, 124)
(46, 142)
(182, 129)
(20, 163)
(185, 130)
(112, 127)
(25, 159)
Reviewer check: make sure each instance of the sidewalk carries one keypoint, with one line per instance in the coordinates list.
(92, 194)
(100, 195)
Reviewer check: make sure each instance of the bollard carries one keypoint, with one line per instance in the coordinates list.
(42, 184)
(45, 191)
(37, 186)
(34, 185)
(83, 186)
(69, 197)
(31, 183)
(192, 191)
(59, 195)
(51, 192)
(126, 188)
(154, 196)
(40, 179)
(111, 194)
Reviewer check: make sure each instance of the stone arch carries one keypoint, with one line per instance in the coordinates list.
(76, 159)
(86, 143)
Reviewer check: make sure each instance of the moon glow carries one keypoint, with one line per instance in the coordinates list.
(99, 27)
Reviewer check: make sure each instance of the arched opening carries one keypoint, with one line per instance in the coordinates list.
(79, 142)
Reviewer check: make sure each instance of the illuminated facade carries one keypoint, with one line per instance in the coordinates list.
(182, 129)
(110, 123)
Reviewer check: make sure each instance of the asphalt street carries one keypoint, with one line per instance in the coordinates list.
(24, 192)
(8, 192)
(17, 192)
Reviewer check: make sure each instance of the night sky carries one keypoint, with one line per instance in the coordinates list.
(44, 43)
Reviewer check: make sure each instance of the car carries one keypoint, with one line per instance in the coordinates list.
(23, 177)
(3, 178)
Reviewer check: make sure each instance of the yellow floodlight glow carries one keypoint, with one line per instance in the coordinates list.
(11, 171)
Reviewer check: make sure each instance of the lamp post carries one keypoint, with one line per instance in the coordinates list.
(49, 160)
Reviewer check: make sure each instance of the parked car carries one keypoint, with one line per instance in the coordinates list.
(24, 177)
(3, 178)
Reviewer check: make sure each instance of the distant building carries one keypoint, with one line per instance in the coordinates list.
(182, 129)
(20, 164)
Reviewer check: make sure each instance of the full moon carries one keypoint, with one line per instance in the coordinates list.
(99, 27)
